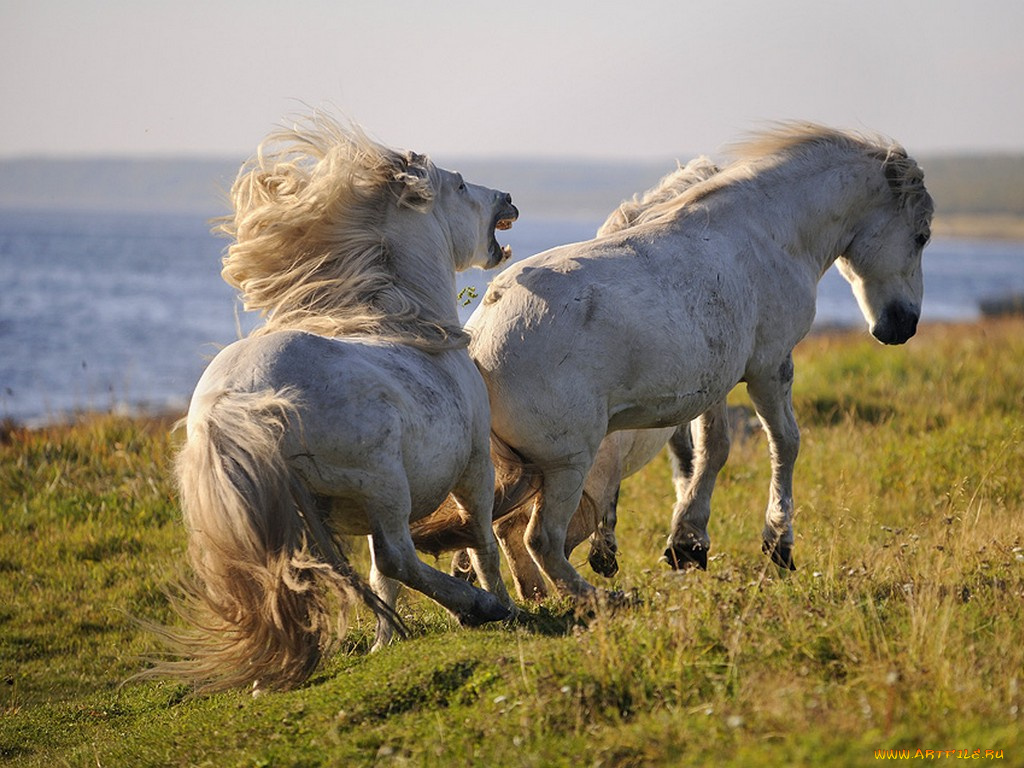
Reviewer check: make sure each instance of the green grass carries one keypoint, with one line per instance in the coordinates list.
(902, 627)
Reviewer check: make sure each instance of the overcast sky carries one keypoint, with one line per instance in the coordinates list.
(586, 78)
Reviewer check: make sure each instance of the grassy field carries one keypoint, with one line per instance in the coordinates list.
(902, 629)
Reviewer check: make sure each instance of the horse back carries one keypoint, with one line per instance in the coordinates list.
(624, 321)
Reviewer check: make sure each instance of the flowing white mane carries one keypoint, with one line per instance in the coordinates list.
(310, 248)
(637, 211)
(788, 142)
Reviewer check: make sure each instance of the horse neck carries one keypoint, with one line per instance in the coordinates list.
(814, 205)
(424, 269)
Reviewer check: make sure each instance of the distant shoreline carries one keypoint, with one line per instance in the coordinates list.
(977, 195)
(963, 226)
(169, 418)
(979, 226)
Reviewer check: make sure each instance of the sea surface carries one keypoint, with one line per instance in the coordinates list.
(122, 311)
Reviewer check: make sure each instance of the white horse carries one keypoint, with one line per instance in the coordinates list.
(621, 453)
(355, 408)
(653, 326)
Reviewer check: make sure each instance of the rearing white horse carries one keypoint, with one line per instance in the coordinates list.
(653, 326)
(355, 409)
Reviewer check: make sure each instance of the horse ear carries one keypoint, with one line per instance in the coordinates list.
(412, 181)
(904, 176)
(899, 171)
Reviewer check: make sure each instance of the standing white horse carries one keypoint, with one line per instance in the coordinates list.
(621, 453)
(653, 326)
(355, 409)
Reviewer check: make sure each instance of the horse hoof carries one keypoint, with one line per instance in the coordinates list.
(780, 554)
(603, 561)
(682, 557)
(485, 610)
(462, 567)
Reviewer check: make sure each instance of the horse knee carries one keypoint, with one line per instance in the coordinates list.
(718, 448)
(392, 561)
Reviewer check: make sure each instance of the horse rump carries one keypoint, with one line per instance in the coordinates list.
(270, 590)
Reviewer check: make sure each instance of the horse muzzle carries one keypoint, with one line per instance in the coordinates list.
(897, 323)
(504, 216)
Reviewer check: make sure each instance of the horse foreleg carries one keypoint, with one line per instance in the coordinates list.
(705, 456)
(772, 396)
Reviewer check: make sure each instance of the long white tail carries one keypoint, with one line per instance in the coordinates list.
(271, 591)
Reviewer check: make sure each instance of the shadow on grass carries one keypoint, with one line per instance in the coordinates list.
(550, 619)
(831, 411)
(558, 617)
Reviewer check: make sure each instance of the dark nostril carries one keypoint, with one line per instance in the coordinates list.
(508, 198)
(907, 320)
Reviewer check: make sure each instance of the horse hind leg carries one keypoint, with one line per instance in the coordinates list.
(387, 590)
(396, 559)
(596, 515)
(394, 556)
(476, 505)
(526, 575)
(704, 456)
(549, 524)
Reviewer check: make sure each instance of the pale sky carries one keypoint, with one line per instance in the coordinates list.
(465, 78)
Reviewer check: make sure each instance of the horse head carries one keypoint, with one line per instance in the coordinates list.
(465, 214)
(883, 260)
(337, 235)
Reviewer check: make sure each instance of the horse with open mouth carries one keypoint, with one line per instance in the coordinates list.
(651, 327)
(354, 409)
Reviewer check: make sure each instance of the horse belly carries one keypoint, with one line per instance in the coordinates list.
(677, 395)
(639, 446)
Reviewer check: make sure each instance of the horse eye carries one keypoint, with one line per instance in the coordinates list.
(922, 239)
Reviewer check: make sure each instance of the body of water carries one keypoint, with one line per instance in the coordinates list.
(122, 311)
